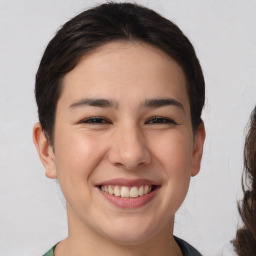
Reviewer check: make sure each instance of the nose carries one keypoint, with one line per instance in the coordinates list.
(129, 149)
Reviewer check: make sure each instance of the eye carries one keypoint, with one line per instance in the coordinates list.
(95, 120)
(160, 120)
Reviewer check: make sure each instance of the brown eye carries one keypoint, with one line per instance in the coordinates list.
(96, 120)
(160, 120)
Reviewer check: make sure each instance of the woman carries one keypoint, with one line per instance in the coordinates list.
(120, 93)
(245, 242)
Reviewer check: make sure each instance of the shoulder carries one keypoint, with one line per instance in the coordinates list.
(186, 248)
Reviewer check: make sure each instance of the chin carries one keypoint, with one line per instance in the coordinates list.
(131, 234)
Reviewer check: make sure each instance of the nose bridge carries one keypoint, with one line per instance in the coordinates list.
(129, 148)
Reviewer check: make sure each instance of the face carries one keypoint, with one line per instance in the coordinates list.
(124, 150)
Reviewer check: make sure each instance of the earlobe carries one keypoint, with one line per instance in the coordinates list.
(199, 139)
(45, 151)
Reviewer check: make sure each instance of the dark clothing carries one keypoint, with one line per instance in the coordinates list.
(187, 249)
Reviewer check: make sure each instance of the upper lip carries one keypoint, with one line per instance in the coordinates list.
(128, 182)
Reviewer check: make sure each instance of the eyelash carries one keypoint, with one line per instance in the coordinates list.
(96, 120)
(160, 120)
(153, 120)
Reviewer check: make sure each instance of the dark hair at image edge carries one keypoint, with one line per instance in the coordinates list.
(102, 24)
(245, 241)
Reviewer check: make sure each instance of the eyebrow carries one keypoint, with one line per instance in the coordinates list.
(152, 103)
(149, 103)
(102, 103)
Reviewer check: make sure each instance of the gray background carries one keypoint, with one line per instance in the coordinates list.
(32, 214)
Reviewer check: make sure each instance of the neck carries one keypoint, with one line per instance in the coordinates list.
(82, 241)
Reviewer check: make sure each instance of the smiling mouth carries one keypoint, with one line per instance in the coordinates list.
(128, 192)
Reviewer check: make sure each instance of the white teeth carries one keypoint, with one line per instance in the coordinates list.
(141, 190)
(117, 191)
(134, 192)
(127, 192)
(110, 190)
(146, 189)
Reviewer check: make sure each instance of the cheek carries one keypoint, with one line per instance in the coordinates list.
(174, 152)
(76, 158)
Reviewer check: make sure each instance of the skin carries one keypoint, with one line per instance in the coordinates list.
(128, 142)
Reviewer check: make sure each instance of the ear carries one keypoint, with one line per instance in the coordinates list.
(199, 138)
(45, 151)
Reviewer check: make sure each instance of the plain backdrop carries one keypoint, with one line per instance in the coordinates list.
(32, 211)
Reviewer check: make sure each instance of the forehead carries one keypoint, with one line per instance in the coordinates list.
(137, 67)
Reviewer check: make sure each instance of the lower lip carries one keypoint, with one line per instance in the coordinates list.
(129, 202)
